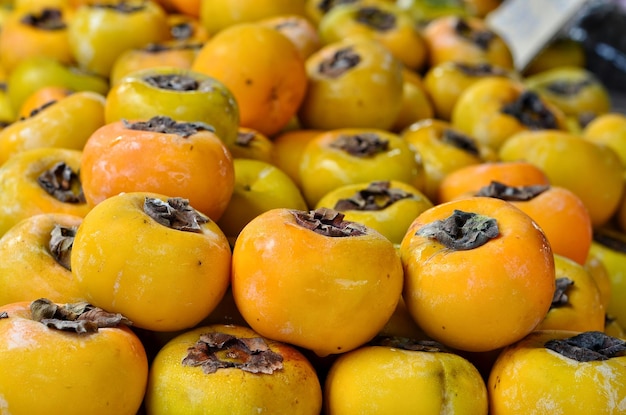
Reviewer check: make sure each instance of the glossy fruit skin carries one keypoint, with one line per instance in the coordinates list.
(118, 159)
(600, 189)
(368, 94)
(400, 35)
(21, 196)
(43, 96)
(99, 34)
(610, 130)
(211, 102)
(441, 154)
(613, 259)
(162, 279)
(295, 389)
(288, 148)
(542, 381)
(262, 68)
(29, 270)
(324, 167)
(321, 306)
(479, 111)
(76, 367)
(216, 15)
(584, 310)
(381, 379)
(67, 123)
(392, 221)
(600, 275)
(416, 103)
(471, 178)
(453, 297)
(297, 28)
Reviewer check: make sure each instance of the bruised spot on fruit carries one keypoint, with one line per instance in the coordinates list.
(568, 88)
(244, 138)
(167, 125)
(175, 213)
(611, 239)
(460, 141)
(376, 18)
(589, 346)
(165, 47)
(531, 111)
(217, 350)
(60, 244)
(40, 108)
(479, 69)
(560, 298)
(461, 230)
(342, 61)
(62, 183)
(47, 19)
(361, 145)
(80, 317)
(376, 196)
(174, 82)
(405, 343)
(481, 38)
(328, 222)
(120, 6)
(502, 191)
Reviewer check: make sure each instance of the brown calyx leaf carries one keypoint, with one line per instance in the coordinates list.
(481, 38)
(60, 244)
(342, 61)
(217, 350)
(376, 18)
(4, 314)
(173, 82)
(39, 109)
(588, 346)
(479, 69)
(166, 125)
(531, 111)
(502, 191)
(175, 213)
(119, 6)
(62, 183)
(567, 87)
(361, 145)
(560, 297)
(406, 343)
(611, 239)
(461, 230)
(377, 195)
(325, 5)
(47, 19)
(460, 141)
(244, 139)
(165, 47)
(79, 317)
(328, 222)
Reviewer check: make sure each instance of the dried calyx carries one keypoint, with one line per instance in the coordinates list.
(479, 69)
(175, 213)
(120, 6)
(173, 82)
(79, 317)
(560, 297)
(47, 19)
(166, 125)
(481, 38)
(164, 47)
(39, 109)
(610, 239)
(502, 191)
(325, 5)
(460, 141)
(62, 183)
(376, 18)
(342, 61)
(328, 222)
(568, 88)
(406, 343)
(60, 244)
(217, 350)
(361, 145)
(588, 346)
(531, 111)
(461, 230)
(244, 138)
(376, 196)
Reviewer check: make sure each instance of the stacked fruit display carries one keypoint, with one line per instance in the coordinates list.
(304, 207)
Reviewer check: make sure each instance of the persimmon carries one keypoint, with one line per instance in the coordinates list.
(471, 178)
(152, 258)
(560, 214)
(479, 273)
(600, 274)
(43, 96)
(36, 263)
(159, 155)
(297, 28)
(602, 185)
(314, 280)
(262, 68)
(416, 103)
(251, 144)
(186, 28)
(288, 148)
(608, 129)
(83, 359)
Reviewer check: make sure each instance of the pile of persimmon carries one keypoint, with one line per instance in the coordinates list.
(304, 207)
